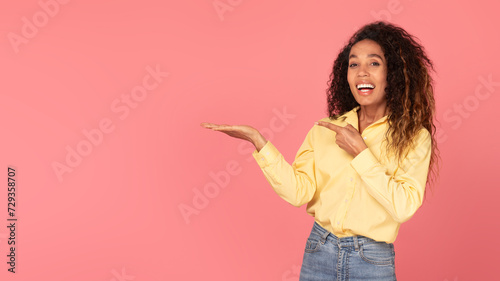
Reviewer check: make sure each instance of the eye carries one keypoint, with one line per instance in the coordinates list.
(353, 65)
(375, 63)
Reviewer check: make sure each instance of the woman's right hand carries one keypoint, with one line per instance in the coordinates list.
(243, 132)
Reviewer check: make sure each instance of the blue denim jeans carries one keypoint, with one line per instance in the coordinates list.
(327, 257)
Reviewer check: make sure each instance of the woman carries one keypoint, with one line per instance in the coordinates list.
(363, 170)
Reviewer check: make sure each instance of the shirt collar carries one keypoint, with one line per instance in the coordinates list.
(352, 118)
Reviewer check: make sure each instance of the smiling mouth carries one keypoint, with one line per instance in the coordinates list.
(365, 89)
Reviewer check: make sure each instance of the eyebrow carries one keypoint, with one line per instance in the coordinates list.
(370, 56)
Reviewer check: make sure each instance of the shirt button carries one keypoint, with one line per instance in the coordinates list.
(267, 153)
(338, 222)
(346, 200)
(350, 179)
(364, 138)
(262, 158)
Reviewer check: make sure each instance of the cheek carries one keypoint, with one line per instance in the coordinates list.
(350, 78)
(383, 76)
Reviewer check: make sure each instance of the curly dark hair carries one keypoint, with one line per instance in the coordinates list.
(409, 91)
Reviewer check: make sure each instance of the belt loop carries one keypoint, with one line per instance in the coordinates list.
(324, 237)
(356, 245)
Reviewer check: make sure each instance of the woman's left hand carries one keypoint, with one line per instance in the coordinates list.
(347, 138)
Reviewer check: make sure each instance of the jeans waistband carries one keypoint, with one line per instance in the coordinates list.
(351, 241)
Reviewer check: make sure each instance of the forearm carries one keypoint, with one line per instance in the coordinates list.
(294, 183)
(258, 141)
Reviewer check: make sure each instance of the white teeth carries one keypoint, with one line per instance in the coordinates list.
(365, 86)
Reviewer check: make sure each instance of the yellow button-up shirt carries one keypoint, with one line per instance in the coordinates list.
(364, 195)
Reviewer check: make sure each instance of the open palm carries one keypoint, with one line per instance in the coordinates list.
(244, 132)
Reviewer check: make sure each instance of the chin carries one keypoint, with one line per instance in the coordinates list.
(368, 102)
(364, 102)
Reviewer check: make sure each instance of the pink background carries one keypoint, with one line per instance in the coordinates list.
(116, 215)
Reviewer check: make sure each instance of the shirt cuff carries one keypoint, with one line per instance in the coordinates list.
(364, 161)
(267, 154)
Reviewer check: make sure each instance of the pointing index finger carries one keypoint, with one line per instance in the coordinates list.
(330, 126)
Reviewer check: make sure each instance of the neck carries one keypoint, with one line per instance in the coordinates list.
(372, 114)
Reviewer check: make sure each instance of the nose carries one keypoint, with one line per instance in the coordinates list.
(362, 71)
